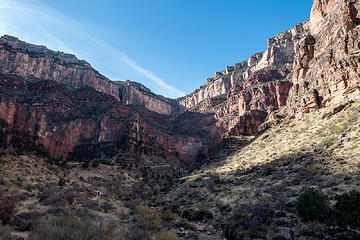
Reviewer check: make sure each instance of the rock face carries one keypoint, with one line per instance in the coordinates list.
(241, 96)
(279, 54)
(83, 123)
(32, 61)
(326, 66)
(53, 101)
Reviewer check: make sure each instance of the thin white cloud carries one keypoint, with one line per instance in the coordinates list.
(34, 22)
(123, 57)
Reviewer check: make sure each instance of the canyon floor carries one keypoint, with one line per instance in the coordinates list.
(140, 197)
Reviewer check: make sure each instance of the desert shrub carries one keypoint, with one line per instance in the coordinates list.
(55, 195)
(25, 226)
(195, 215)
(72, 227)
(313, 205)
(107, 206)
(202, 214)
(138, 234)
(7, 209)
(61, 182)
(246, 221)
(5, 233)
(327, 142)
(347, 210)
(26, 221)
(147, 218)
(166, 236)
(167, 215)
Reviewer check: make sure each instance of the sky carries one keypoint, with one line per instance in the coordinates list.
(170, 46)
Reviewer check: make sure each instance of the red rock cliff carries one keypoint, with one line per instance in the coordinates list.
(86, 124)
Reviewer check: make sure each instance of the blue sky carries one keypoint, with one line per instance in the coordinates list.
(170, 46)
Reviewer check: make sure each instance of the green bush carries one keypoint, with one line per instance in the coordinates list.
(167, 215)
(347, 210)
(247, 221)
(313, 205)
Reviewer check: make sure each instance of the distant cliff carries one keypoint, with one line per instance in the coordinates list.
(242, 96)
(32, 61)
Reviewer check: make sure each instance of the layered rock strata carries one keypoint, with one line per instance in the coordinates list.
(31, 61)
(83, 123)
(327, 62)
(241, 96)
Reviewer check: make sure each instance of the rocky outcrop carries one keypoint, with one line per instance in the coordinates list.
(248, 104)
(326, 66)
(319, 11)
(37, 62)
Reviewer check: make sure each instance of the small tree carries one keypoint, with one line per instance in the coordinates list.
(313, 205)
(347, 210)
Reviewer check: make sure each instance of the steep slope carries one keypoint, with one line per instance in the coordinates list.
(319, 150)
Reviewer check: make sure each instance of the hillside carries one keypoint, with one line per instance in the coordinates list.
(320, 151)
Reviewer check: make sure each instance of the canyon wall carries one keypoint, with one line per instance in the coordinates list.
(86, 124)
(279, 54)
(54, 101)
(31, 61)
(242, 96)
(327, 62)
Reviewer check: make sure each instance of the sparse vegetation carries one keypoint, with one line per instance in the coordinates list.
(166, 236)
(135, 203)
